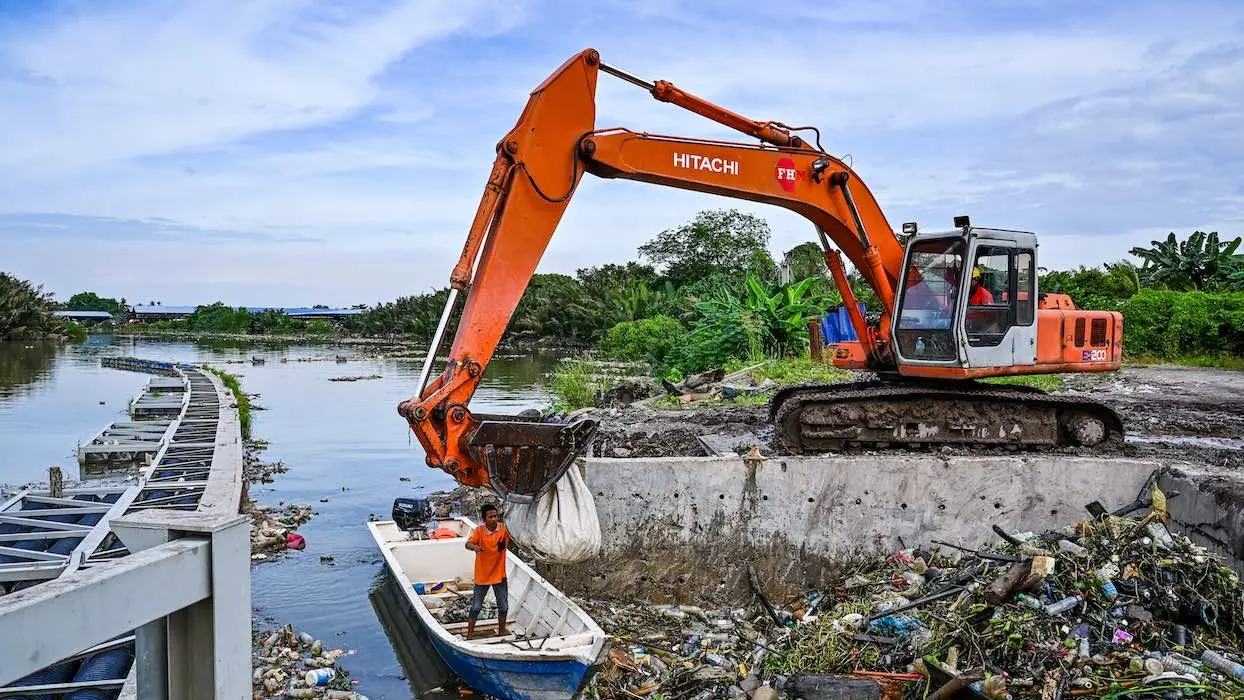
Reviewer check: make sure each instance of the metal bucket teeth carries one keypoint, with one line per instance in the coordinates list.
(524, 459)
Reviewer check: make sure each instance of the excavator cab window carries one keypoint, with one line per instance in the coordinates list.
(925, 329)
(1000, 294)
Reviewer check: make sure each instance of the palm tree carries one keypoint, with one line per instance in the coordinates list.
(1199, 263)
(25, 310)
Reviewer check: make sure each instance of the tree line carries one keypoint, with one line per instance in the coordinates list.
(708, 291)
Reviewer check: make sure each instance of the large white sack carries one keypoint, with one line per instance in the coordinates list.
(561, 527)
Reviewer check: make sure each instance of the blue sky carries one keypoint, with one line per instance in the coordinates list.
(286, 152)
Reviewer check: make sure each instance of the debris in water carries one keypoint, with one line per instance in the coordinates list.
(286, 664)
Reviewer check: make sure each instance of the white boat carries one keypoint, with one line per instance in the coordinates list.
(553, 647)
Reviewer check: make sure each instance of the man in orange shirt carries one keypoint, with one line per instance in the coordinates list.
(489, 542)
(979, 295)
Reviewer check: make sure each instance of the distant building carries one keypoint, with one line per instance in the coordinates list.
(162, 313)
(87, 316)
(306, 313)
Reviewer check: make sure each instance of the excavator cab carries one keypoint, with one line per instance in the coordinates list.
(968, 300)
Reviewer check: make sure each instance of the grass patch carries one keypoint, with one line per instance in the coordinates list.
(577, 383)
(783, 371)
(1044, 382)
(244, 403)
(795, 371)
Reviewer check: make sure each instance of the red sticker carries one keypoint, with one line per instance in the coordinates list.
(786, 174)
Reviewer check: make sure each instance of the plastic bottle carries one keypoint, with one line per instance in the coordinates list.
(1029, 601)
(1170, 663)
(1063, 605)
(1072, 548)
(1222, 663)
(992, 687)
(1107, 586)
(1160, 535)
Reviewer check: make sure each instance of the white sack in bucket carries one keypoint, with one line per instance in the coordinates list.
(561, 527)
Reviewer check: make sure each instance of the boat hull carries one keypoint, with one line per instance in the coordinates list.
(553, 649)
(517, 680)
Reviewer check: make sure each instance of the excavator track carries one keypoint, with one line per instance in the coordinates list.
(812, 418)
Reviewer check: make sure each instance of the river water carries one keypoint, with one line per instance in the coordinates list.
(342, 441)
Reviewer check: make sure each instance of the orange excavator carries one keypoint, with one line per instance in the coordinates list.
(957, 305)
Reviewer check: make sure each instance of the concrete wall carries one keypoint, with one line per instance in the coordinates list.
(685, 529)
(1209, 509)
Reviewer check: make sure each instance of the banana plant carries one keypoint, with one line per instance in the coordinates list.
(1199, 263)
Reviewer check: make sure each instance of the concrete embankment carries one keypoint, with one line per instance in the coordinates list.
(1209, 509)
(686, 529)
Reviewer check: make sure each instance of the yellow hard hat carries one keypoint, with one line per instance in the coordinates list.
(976, 272)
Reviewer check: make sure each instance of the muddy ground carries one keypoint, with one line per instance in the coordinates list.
(1170, 413)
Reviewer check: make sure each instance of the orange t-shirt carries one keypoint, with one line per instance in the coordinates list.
(980, 295)
(490, 563)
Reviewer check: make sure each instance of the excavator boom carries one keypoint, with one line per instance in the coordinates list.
(537, 169)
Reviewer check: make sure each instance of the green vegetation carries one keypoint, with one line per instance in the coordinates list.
(578, 382)
(1201, 263)
(766, 321)
(796, 370)
(718, 241)
(26, 312)
(244, 403)
(1172, 324)
(90, 301)
(575, 384)
(649, 339)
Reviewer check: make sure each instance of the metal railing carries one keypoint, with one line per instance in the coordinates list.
(163, 611)
(183, 595)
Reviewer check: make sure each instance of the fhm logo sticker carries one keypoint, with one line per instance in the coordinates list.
(786, 174)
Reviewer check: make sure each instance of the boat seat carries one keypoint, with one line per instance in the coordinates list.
(490, 622)
(492, 640)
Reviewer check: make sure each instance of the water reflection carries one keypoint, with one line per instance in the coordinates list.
(427, 674)
(23, 365)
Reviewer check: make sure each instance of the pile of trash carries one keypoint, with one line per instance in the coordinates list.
(1113, 606)
(290, 665)
(716, 385)
(274, 531)
(260, 472)
(355, 378)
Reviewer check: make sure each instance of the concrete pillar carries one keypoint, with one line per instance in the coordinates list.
(202, 651)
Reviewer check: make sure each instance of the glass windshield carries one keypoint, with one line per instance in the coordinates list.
(929, 290)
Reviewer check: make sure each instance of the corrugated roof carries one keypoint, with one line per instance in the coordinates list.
(288, 310)
(187, 310)
(82, 314)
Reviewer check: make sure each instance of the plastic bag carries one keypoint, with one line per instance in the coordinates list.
(561, 527)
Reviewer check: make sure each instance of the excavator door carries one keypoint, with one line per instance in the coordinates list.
(968, 300)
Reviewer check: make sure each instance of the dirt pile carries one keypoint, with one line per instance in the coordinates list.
(646, 432)
(1169, 413)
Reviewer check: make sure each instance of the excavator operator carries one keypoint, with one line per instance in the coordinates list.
(979, 294)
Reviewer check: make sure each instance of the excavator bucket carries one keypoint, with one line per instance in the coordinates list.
(524, 459)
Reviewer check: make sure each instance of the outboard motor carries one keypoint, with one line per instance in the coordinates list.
(411, 514)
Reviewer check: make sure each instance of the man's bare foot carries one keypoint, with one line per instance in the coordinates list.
(502, 630)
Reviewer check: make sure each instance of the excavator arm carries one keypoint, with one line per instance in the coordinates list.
(538, 166)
